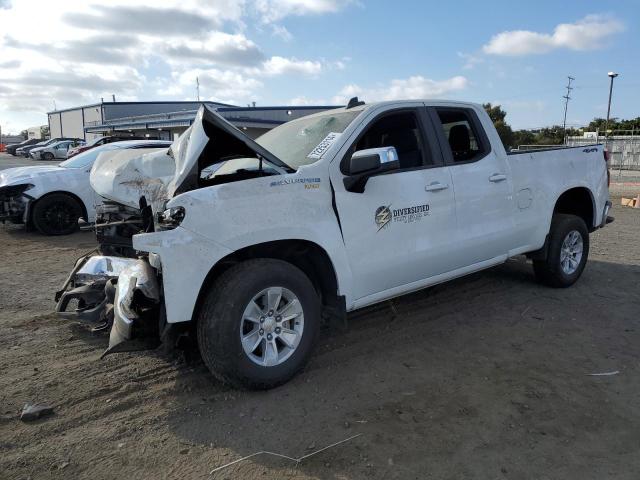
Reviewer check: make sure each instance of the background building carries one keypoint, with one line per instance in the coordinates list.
(34, 132)
(163, 120)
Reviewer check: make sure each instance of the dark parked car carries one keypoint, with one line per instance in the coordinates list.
(12, 148)
(101, 141)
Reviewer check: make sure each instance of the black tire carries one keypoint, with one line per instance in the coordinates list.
(57, 214)
(47, 156)
(550, 271)
(219, 322)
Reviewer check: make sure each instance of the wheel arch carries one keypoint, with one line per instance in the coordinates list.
(577, 201)
(308, 256)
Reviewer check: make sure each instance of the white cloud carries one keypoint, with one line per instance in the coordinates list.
(415, 87)
(589, 33)
(142, 49)
(273, 10)
(281, 32)
(221, 85)
(302, 100)
(284, 66)
(470, 60)
(214, 48)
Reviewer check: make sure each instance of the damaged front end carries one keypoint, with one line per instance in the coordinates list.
(115, 226)
(14, 203)
(121, 287)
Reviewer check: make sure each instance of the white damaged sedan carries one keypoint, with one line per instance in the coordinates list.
(53, 198)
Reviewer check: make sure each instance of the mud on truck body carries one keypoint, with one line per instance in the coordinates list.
(247, 245)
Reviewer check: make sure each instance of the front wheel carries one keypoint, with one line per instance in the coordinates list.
(57, 214)
(567, 253)
(47, 156)
(258, 324)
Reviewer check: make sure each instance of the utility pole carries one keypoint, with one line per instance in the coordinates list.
(566, 106)
(198, 88)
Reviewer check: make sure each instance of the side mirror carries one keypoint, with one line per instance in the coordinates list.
(371, 159)
(364, 163)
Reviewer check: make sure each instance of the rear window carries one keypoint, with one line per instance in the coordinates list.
(462, 134)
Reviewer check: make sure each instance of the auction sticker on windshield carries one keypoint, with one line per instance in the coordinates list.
(324, 145)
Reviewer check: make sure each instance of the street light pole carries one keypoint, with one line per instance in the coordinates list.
(611, 75)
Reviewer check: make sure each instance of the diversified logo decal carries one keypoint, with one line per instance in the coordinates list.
(385, 215)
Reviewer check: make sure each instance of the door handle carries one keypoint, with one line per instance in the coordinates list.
(497, 177)
(435, 187)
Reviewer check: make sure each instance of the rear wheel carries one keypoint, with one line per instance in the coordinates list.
(47, 156)
(258, 324)
(57, 214)
(567, 253)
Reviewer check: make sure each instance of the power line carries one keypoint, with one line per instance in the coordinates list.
(566, 106)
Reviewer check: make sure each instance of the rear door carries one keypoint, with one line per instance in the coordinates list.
(397, 231)
(483, 191)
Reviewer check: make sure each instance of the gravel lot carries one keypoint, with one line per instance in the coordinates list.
(484, 377)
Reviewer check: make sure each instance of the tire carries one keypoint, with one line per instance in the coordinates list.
(47, 156)
(552, 271)
(57, 214)
(222, 319)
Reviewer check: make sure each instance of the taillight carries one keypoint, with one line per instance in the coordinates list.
(607, 156)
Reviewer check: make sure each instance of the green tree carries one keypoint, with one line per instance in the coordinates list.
(614, 124)
(498, 115)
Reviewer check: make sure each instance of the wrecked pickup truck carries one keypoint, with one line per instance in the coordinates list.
(247, 245)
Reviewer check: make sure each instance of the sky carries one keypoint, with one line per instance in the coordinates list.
(321, 52)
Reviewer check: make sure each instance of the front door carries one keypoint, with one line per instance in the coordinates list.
(396, 232)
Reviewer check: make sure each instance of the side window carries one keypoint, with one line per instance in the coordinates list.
(465, 141)
(399, 130)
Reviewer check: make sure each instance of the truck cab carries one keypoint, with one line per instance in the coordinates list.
(252, 244)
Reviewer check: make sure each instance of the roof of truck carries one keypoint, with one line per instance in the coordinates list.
(399, 103)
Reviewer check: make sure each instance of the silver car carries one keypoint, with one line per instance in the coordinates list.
(53, 151)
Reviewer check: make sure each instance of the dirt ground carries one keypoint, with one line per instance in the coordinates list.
(485, 377)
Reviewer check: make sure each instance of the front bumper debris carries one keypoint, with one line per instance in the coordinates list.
(135, 309)
(91, 288)
(117, 292)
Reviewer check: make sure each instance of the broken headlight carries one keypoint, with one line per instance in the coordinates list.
(14, 190)
(171, 217)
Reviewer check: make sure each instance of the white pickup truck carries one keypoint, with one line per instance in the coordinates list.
(249, 244)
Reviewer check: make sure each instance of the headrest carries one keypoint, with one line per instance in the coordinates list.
(459, 139)
(403, 139)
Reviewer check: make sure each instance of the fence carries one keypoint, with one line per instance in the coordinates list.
(624, 150)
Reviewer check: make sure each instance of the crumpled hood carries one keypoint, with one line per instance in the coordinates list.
(18, 175)
(126, 175)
